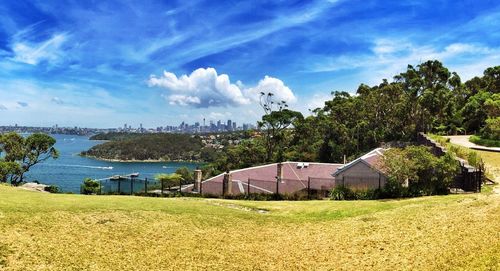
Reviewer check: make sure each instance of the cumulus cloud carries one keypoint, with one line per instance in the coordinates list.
(22, 104)
(276, 86)
(205, 88)
(2, 107)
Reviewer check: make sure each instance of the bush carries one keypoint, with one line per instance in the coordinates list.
(52, 189)
(492, 129)
(484, 141)
(90, 187)
(342, 192)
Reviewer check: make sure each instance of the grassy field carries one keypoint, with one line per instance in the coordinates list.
(74, 232)
(492, 163)
(42, 231)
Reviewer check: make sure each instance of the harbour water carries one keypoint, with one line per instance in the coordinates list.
(70, 169)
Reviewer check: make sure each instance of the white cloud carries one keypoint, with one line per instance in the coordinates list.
(389, 57)
(276, 86)
(35, 52)
(318, 100)
(2, 107)
(217, 115)
(183, 100)
(205, 88)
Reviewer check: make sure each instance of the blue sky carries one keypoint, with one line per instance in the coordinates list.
(106, 63)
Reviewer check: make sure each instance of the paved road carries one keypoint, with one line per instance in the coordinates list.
(463, 140)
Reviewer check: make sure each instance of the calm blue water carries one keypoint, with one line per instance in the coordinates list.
(70, 169)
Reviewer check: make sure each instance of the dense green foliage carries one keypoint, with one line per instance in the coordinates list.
(169, 180)
(115, 136)
(276, 119)
(415, 171)
(21, 153)
(165, 147)
(90, 187)
(186, 174)
(484, 141)
(52, 189)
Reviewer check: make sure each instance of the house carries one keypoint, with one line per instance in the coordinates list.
(365, 172)
(294, 177)
(362, 173)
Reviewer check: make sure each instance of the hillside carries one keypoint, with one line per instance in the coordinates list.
(75, 232)
(164, 147)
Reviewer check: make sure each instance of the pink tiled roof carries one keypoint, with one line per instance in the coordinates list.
(263, 178)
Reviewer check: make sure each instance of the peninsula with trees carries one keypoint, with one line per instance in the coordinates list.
(162, 147)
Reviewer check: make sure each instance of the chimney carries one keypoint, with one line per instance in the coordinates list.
(227, 184)
(279, 172)
(197, 180)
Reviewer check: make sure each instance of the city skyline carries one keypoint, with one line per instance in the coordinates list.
(184, 127)
(98, 64)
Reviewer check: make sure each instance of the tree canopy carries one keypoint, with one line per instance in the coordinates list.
(21, 153)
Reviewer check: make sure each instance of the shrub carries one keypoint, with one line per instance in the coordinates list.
(492, 129)
(342, 192)
(484, 141)
(90, 187)
(394, 189)
(52, 189)
(345, 193)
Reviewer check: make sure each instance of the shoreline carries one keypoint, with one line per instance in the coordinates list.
(141, 161)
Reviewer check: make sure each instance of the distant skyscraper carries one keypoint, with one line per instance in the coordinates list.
(229, 125)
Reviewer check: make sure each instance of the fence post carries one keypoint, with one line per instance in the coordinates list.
(180, 185)
(248, 186)
(161, 188)
(131, 186)
(146, 185)
(379, 181)
(309, 187)
(223, 186)
(277, 185)
(480, 179)
(201, 187)
(119, 186)
(100, 187)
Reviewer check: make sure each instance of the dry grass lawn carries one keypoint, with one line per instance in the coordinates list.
(74, 232)
(42, 231)
(492, 163)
